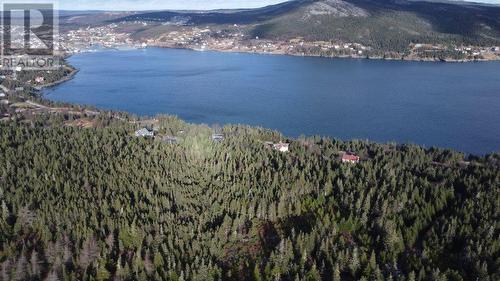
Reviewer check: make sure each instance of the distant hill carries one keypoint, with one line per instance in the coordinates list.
(388, 24)
(383, 24)
(240, 16)
(75, 19)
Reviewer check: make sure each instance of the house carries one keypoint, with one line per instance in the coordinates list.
(217, 137)
(282, 147)
(2, 95)
(350, 158)
(170, 140)
(39, 79)
(269, 144)
(144, 133)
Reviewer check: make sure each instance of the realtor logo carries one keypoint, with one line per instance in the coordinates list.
(29, 32)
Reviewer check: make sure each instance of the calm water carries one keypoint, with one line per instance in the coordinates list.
(432, 104)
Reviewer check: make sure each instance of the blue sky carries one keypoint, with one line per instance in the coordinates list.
(162, 4)
(172, 4)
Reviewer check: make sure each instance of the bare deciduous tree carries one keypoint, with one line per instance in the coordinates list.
(110, 240)
(6, 267)
(35, 264)
(21, 268)
(25, 217)
(148, 265)
(89, 253)
(52, 276)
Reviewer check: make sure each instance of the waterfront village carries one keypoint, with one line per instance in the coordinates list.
(89, 38)
(228, 39)
(232, 38)
(235, 39)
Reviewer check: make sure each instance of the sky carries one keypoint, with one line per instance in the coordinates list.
(124, 5)
(162, 4)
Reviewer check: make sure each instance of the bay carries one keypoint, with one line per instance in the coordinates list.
(449, 105)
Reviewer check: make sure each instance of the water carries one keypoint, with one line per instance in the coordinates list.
(448, 105)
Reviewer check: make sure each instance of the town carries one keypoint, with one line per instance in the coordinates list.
(89, 38)
(235, 38)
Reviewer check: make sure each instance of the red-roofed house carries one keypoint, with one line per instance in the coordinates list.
(350, 158)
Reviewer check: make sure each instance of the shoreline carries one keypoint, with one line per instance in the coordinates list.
(74, 71)
(406, 59)
(346, 57)
(66, 78)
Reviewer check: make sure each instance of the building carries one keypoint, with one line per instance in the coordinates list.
(144, 133)
(39, 80)
(170, 140)
(282, 147)
(269, 144)
(2, 95)
(217, 137)
(350, 158)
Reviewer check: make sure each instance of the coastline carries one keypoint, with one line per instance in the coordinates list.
(66, 78)
(408, 59)
(279, 53)
(51, 94)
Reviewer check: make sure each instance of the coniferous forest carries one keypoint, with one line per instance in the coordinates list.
(98, 203)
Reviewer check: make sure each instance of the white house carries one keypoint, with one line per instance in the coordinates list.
(217, 137)
(282, 147)
(39, 79)
(144, 133)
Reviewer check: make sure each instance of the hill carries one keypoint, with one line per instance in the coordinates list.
(388, 25)
(243, 16)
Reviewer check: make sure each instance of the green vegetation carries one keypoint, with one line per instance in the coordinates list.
(27, 79)
(391, 26)
(100, 204)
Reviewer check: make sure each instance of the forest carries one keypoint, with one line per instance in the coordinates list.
(98, 203)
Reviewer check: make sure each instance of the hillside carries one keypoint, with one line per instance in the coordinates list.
(389, 26)
(244, 16)
(82, 198)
